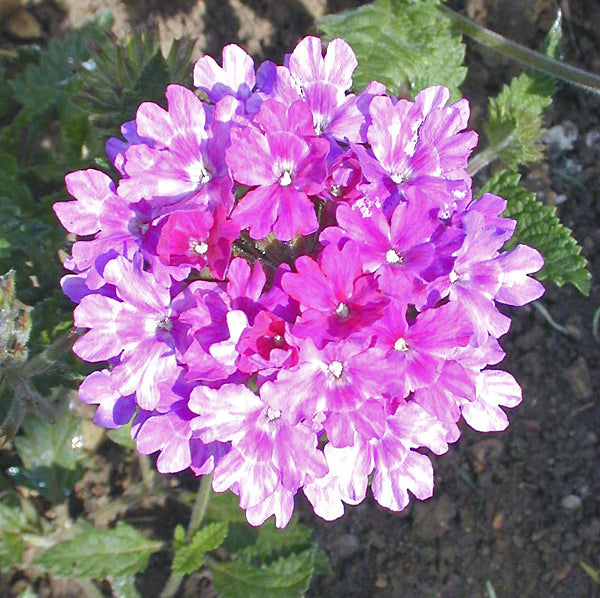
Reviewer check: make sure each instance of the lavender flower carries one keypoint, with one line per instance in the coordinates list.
(292, 287)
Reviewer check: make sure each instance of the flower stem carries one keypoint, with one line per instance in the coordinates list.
(198, 512)
(570, 74)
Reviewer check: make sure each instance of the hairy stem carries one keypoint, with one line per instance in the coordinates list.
(570, 74)
(198, 512)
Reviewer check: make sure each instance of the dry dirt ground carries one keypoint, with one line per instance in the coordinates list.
(514, 514)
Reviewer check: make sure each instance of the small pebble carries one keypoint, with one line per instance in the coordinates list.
(571, 502)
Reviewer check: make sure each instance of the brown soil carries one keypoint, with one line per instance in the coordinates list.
(516, 513)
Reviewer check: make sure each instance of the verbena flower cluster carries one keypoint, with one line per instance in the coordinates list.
(291, 284)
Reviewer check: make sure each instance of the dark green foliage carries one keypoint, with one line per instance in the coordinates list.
(514, 127)
(405, 44)
(99, 554)
(538, 226)
(51, 455)
(124, 73)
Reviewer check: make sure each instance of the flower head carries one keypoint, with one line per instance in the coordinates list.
(290, 286)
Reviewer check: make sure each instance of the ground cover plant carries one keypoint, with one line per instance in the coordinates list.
(203, 277)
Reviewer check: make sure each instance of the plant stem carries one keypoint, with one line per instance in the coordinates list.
(571, 74)
(198, 512)
(200, 505)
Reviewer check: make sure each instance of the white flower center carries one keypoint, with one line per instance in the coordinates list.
(401, 175)
(273, 414)
(199, 247)
(200, 175)
(342, 311)
(336, 190)
(391, 257)
(400, 345)
(278, 340)
(453, 276)
(286, 178)
(320, 125)
(336, 368)
(166, 324)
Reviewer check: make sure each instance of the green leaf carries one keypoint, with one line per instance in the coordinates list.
(98, 554)
(42, 86)
(538, 226)
(189, 557)
(285, 578)
(273, 542)
(122, 435)
(124, 587)
(45, 444)
(224, 506)
(51, 454)
(11, 550)
(123, 73)
(514, 127)
(406, 45)
(13, 525)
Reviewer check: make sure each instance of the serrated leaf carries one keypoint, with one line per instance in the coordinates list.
(45, 444)
(42, 86)
(11, 549)
(13, 525)
(190, 557)
(285, 578)
(273, 542)
(224, 506)
(538, 226)
(514, 127)
(99, 554)
(406, 45)
(51, 455)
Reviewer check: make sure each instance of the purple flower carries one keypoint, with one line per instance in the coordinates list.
(291, 287)
(185, 164)
(416, 351)
(268, 454)
(336, 299)
(284, 170)
(236, 76)
(341, 385)
(139, 327)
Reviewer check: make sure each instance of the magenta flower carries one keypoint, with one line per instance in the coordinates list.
(198, 239)
(139, 327)
(185, 165)
(268, 454)
(290, 286)
(336, 299)
(285, 170)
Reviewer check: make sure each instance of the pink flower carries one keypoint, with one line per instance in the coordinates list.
(284, 170)
(336, 299)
